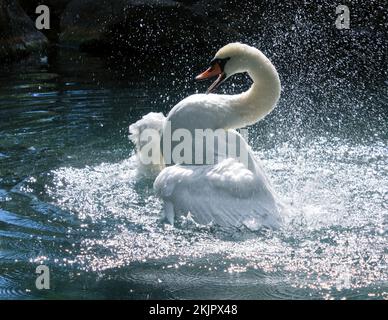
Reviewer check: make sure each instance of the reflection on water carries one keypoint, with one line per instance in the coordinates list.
(69, 197)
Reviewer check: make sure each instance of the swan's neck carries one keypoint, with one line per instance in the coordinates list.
(261, 98)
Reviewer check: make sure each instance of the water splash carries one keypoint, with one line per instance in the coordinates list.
(333, 243)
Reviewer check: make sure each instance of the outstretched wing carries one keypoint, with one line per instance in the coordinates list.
(226, 194)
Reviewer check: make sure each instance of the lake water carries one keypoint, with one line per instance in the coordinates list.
(69, 197)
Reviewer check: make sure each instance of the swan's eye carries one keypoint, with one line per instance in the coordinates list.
(213, 63)
(220, 61)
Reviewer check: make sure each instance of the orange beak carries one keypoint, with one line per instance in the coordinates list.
(214, 70)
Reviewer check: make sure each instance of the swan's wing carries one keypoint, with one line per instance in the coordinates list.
(204, 111)
(149, 126)
(226, 194)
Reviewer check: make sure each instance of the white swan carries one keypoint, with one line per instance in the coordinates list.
(227, 192)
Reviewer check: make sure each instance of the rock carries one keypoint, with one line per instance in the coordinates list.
(18, 35)
(145, 28)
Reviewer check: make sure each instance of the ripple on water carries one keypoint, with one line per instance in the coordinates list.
(10, 286)
(12, 219)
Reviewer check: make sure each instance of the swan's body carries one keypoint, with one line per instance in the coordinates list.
(227, 192)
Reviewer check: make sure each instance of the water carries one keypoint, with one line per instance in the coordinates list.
(69, 198)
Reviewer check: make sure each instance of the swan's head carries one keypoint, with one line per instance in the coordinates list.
(229, 60)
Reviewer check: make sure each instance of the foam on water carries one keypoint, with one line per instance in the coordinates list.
(332, 244)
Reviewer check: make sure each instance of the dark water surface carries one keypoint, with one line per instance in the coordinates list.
(69, 198)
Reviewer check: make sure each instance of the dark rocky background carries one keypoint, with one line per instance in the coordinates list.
(294, 33)
(18, 36)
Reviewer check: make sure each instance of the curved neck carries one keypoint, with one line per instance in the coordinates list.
(261, 98)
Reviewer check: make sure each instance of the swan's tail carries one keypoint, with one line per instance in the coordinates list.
(145, 134)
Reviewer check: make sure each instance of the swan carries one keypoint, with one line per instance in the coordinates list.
(228, 192)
